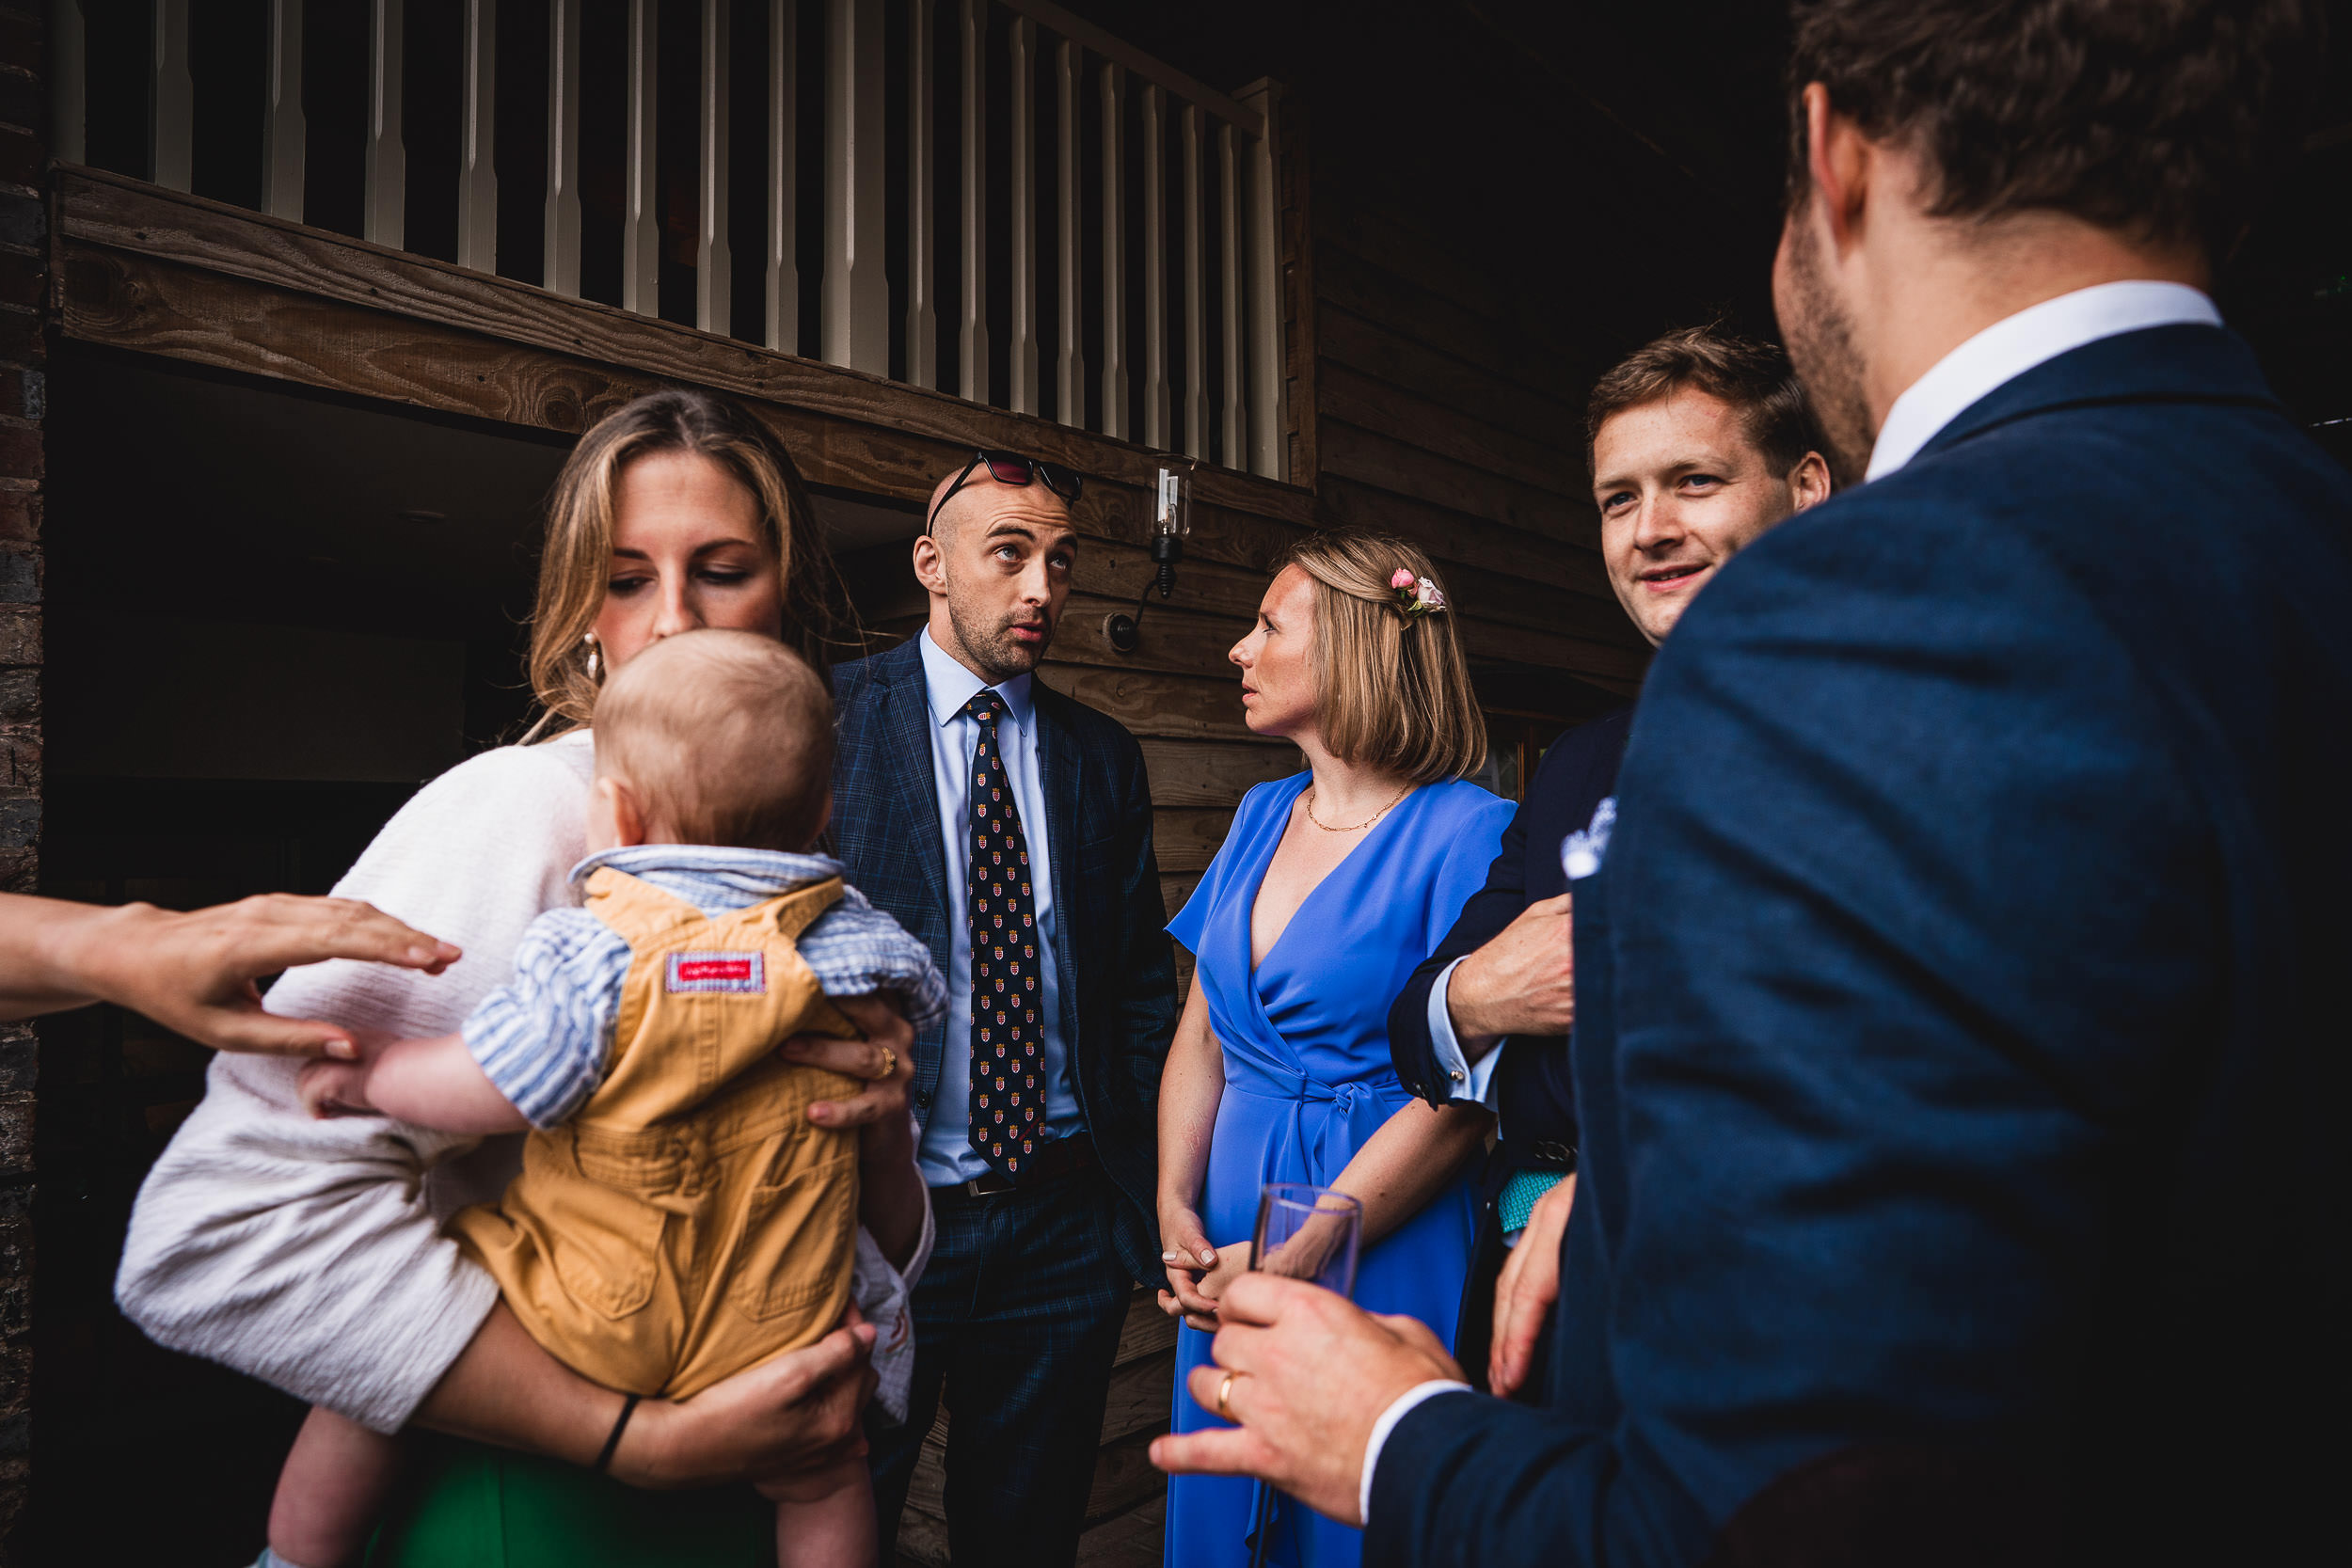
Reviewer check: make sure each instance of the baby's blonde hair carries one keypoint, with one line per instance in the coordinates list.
(723, 738)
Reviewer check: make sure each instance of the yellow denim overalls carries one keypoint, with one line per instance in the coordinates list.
(689, 1221)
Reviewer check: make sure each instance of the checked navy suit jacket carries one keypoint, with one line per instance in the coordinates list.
(1118, 972)
(1962, 1058)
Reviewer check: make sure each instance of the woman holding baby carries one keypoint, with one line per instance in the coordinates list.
(310, 1253)
(1330, 887)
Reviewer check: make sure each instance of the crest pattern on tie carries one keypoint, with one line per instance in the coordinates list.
(1000, 910)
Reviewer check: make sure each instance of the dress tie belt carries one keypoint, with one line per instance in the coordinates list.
(1329, 1122)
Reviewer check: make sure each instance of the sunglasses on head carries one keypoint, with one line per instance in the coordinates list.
(1010, 467)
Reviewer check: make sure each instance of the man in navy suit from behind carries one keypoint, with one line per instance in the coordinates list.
(1696, 442)
(1958, 1063)
(1009, 827)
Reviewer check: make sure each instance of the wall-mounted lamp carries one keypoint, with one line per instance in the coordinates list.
(1172, 520)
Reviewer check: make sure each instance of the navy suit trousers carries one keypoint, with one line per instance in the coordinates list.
(1016, 1322)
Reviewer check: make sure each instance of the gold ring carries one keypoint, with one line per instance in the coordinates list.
(890, 1065)
(1224, 1394)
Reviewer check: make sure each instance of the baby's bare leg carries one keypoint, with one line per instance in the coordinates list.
(825, 1518)
(334, 1485)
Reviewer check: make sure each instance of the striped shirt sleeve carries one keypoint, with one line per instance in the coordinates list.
(542, 1037)
(854, 950)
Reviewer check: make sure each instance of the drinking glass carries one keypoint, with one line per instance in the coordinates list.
(1311, 1233)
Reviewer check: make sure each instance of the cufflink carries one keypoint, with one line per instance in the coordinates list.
(1455, 1075)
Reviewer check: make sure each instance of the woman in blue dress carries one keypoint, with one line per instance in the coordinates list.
(1329, 889)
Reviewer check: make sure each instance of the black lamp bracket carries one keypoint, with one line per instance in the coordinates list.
(1125, 631)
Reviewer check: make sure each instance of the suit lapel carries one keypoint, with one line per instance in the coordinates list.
(907, 731)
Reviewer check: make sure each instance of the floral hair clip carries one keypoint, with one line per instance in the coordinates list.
(1415, 596)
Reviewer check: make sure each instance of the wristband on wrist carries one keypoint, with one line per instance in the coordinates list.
(613, 1441)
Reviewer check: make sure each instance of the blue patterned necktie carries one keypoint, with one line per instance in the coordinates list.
(1008, 1106)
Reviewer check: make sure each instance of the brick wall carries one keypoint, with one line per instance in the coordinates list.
(23, 256)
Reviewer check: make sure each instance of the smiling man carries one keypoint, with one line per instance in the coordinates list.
(1699, 441)
(1009, 827)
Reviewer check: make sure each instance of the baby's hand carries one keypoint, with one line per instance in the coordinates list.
(331, 1089)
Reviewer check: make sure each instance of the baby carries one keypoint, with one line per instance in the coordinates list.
(678, 1217)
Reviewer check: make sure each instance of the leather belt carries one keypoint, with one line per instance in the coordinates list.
(1060, 1158)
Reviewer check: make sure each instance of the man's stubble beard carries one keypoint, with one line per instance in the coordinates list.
(988, 642)
(1820, 339)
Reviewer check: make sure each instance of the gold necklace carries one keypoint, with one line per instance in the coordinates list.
(1360, 826)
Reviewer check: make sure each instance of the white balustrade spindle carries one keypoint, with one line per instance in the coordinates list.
(170, 100)
(1229, 251)
(1112, 94)
(714, 262)
(640, 223)
(922, 268)
(283, 136)
(1196, 298)
(1267, 445)
(855, 299)
(1020, 214)
(1069, 377)
(1155, 268)
(560, 268)
(972, 331)
(782, 304)
(477, 174)
(384, 219)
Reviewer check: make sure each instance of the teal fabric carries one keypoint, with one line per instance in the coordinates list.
(1518, 1199)
(467, 1505)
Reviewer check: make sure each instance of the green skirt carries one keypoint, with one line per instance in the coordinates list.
(467, 1505)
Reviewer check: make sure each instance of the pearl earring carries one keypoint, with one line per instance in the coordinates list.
(596, 658)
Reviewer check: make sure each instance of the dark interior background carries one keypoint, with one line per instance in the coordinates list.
(272, 613)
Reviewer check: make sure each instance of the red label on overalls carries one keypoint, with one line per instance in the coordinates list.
(744, 974)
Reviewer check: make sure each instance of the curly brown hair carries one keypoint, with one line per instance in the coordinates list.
(2164, 119)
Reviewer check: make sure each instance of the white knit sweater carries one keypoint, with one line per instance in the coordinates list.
(309, 1254)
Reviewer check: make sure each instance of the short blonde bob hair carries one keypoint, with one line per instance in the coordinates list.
(576, 562)
(1392, 691)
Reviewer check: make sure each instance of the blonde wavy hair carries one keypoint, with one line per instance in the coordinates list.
(1392, 692)
(576, 561)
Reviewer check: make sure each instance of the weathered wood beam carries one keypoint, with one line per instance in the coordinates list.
(105, 209)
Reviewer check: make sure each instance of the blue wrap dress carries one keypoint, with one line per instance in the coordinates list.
(1305, 1039)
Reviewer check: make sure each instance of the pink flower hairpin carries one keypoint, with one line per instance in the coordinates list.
(1415, 595)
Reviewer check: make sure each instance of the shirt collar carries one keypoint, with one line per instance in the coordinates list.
(765, 871)
(2015, 345)
(948, 686)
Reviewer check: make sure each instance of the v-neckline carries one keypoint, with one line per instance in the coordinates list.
(1250, 917)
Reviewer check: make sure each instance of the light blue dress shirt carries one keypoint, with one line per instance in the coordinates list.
(947, 1155)
(1473, 1081)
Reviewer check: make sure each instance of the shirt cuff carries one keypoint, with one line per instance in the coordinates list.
(1474, 1082)
(1404, 1406)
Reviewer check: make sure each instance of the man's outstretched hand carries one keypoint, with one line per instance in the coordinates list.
(1313, 1374)
(194, 973)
